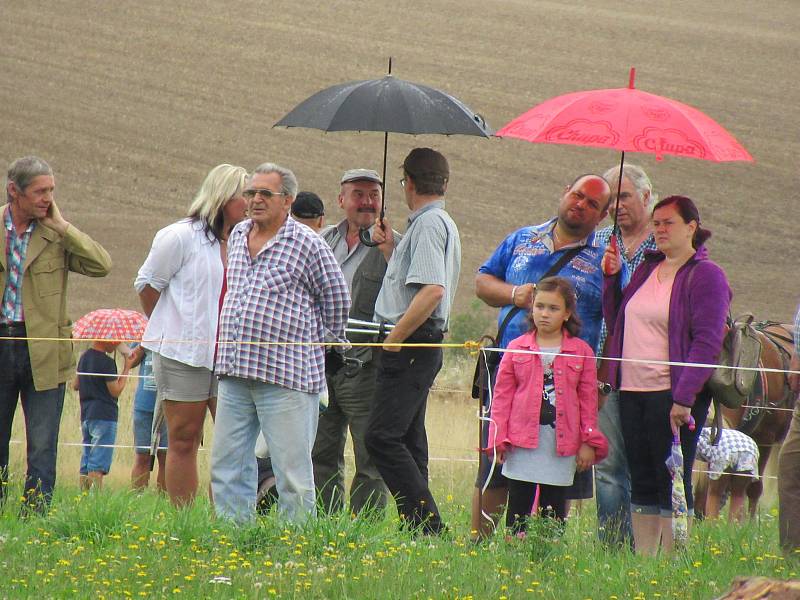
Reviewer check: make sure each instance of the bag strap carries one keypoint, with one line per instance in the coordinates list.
(553, 270)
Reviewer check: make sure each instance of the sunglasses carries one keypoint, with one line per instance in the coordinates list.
(266, 194)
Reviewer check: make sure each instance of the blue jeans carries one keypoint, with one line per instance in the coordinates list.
(99, 438)
(143, 431)
(42, 410)
(612, 480)
(288, 419)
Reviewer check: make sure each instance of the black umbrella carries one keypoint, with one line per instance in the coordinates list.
(389, 105)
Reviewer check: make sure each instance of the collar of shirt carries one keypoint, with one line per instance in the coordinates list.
(287, 231)
(342, 228)
(207, 238)
(9, 223)
(545, 233)
(430, 206)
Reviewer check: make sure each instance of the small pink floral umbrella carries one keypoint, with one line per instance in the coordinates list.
(112, 324)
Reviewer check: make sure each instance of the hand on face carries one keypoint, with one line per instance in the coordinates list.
(36, 203)
(53, 219)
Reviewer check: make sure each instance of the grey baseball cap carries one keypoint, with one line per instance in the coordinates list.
(361, 175)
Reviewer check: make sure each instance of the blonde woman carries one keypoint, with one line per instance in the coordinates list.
(180, 286)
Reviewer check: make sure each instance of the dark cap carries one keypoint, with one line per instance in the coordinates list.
(361, 175)
(426, 164)
(307, 205)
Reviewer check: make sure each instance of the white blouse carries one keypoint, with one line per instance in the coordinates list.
(185, 266)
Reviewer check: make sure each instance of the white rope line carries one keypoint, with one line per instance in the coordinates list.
(668, 363)
(110, 376)
(450, 459)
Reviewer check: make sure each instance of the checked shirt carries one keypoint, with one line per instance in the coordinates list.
(17, 249)
(628, 265)
(736, 452)
(293, 291)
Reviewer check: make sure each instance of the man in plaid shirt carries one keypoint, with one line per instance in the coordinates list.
(284, 292)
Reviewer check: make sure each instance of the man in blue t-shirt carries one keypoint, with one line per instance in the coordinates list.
(507, 280)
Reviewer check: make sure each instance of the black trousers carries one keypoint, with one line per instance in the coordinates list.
(644, 418)
(396, 437)
(521, 495)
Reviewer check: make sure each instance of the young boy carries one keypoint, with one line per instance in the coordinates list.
(99, 411)
(733, 464)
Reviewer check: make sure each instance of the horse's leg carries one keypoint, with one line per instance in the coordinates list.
(739, 485)
(756, 488)
(716, 487)
(700, 493)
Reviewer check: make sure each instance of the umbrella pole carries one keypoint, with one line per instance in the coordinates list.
(614, 229)
(363, 233)
(383, 178)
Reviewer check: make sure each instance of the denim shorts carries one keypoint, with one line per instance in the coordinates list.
(97, 435)
(143, 431)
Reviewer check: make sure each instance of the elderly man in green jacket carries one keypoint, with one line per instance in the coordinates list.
(37, 250)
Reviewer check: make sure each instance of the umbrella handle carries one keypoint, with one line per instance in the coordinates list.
(676, 438)
(363, 235)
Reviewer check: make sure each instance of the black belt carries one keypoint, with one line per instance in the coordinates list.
(13, 329)
(427, 333)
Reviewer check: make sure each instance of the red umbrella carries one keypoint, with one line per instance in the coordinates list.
(115, 324)
(628, 120)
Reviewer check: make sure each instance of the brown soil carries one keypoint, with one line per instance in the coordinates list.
(133, 102)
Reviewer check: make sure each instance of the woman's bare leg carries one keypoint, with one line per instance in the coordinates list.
(185, 429)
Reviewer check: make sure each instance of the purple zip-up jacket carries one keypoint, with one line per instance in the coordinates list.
(698, 307)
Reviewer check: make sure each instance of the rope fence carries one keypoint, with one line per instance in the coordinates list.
(471, 346)
(449, 459)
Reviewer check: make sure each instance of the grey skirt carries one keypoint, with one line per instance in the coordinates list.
(181, 382)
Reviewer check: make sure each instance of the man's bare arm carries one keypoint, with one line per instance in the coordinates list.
(496, 292)
(421, 307)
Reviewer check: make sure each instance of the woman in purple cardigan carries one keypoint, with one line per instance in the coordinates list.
(674, 309)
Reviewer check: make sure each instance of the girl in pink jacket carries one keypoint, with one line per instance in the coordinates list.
(544, 410)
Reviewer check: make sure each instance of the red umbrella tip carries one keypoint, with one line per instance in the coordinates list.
(631, 77)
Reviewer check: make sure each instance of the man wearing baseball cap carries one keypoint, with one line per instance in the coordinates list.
(308, 209)
(351, 390)
(418, 291)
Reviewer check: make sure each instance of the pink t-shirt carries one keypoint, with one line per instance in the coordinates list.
(646, 337)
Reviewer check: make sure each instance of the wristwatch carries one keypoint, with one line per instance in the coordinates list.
(604, 388)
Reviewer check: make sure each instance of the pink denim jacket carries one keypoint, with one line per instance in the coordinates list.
(517, 398)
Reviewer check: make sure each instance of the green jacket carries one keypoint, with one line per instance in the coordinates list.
(44, 294)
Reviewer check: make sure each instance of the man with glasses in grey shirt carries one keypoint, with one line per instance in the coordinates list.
(416, 297)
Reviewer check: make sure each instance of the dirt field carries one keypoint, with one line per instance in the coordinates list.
(133, 102)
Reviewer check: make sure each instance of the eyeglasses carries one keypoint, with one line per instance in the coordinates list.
(266, 194)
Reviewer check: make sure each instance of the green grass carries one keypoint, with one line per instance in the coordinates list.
(116, 544)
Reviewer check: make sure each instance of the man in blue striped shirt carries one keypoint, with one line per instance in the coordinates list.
(416, 297)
